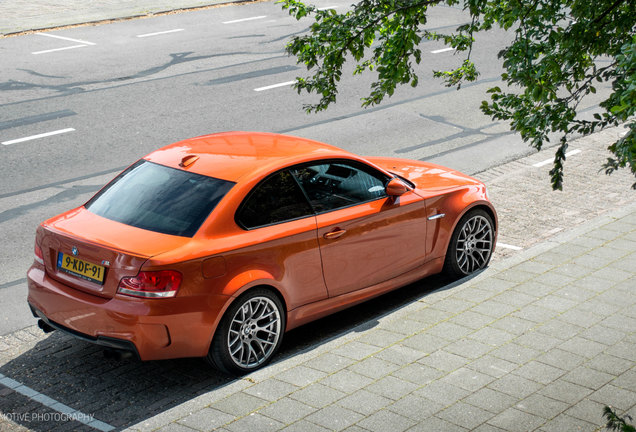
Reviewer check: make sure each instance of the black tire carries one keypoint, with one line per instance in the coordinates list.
(249, 333)
(471, 245)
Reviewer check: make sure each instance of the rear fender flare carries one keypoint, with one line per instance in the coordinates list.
(250, 279)
(242, 283)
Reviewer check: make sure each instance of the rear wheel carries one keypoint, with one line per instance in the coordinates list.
(471, 244)
(249, 333)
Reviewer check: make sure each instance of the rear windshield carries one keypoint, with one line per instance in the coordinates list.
(159, 198)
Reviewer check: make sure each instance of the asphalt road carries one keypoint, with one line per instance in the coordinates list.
(104, 96)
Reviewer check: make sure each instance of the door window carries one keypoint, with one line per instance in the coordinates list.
(337, 184)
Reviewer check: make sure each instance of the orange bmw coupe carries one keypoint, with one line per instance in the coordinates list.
(215, 246)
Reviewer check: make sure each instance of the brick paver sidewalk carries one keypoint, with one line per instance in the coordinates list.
(540, 341)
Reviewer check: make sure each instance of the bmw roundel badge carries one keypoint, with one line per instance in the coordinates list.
(74, 251)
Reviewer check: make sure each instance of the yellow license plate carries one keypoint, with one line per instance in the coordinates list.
(81, 268)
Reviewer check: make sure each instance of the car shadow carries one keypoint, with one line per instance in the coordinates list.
(125, 392)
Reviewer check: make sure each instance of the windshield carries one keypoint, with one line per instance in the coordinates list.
(159, 198)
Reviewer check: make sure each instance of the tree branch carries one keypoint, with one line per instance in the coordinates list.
(382, 17)
(606, 12)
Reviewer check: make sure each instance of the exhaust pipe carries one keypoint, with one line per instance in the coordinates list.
(117, 355)
(45, 327)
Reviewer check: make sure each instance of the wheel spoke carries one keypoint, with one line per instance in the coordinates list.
(265, 341)
(244, 353)
(471, 263)
(266, 330)
(267, 315)
(260, 346)
(462, 260)
(478, 260)
(484, 252)
(483, 232)
(234, 338)
(239, 347)
(259, 310)
(272, 321)
(251, 353)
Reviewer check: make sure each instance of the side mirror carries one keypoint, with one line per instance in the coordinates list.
(395, 187)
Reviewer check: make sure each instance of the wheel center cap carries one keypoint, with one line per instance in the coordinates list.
(246, 329)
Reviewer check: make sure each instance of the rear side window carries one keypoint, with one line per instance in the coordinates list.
(277, 199)
(159, 198)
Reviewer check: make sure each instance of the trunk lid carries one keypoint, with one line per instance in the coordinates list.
(80, 248)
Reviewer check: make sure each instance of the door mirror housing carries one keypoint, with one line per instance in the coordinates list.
(395, 187)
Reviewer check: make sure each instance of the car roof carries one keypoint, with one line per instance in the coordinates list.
(231, 155)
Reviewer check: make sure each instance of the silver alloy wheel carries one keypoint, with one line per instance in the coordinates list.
(254, 332)
(474, 244)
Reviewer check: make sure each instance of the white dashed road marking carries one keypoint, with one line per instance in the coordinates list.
(66, 411)
(33, 137)
(159, 33)
(286, 83)
(65, 38)
(442, 50)
(82, 42)
(507, 246)
(58, 49)
(549, 161)
(245, 19)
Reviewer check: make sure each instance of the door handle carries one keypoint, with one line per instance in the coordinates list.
(334, 234)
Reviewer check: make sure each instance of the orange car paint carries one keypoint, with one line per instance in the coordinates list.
(315, 269)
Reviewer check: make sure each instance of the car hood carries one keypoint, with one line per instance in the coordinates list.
(424, 175)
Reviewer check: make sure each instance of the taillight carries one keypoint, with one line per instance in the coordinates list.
(164, 283)
(39, 256)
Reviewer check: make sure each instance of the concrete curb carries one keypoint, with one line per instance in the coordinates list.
(15, 21)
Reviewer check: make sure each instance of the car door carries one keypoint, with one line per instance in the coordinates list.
(365, 236)
(280, 227)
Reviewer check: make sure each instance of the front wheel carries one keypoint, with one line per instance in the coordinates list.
(249, 333)
(471, 244)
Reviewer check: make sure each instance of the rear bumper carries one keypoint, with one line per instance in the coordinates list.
(152, 329)
(105, 341)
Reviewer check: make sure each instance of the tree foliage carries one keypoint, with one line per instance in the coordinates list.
(561, 50)
(615, 422)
